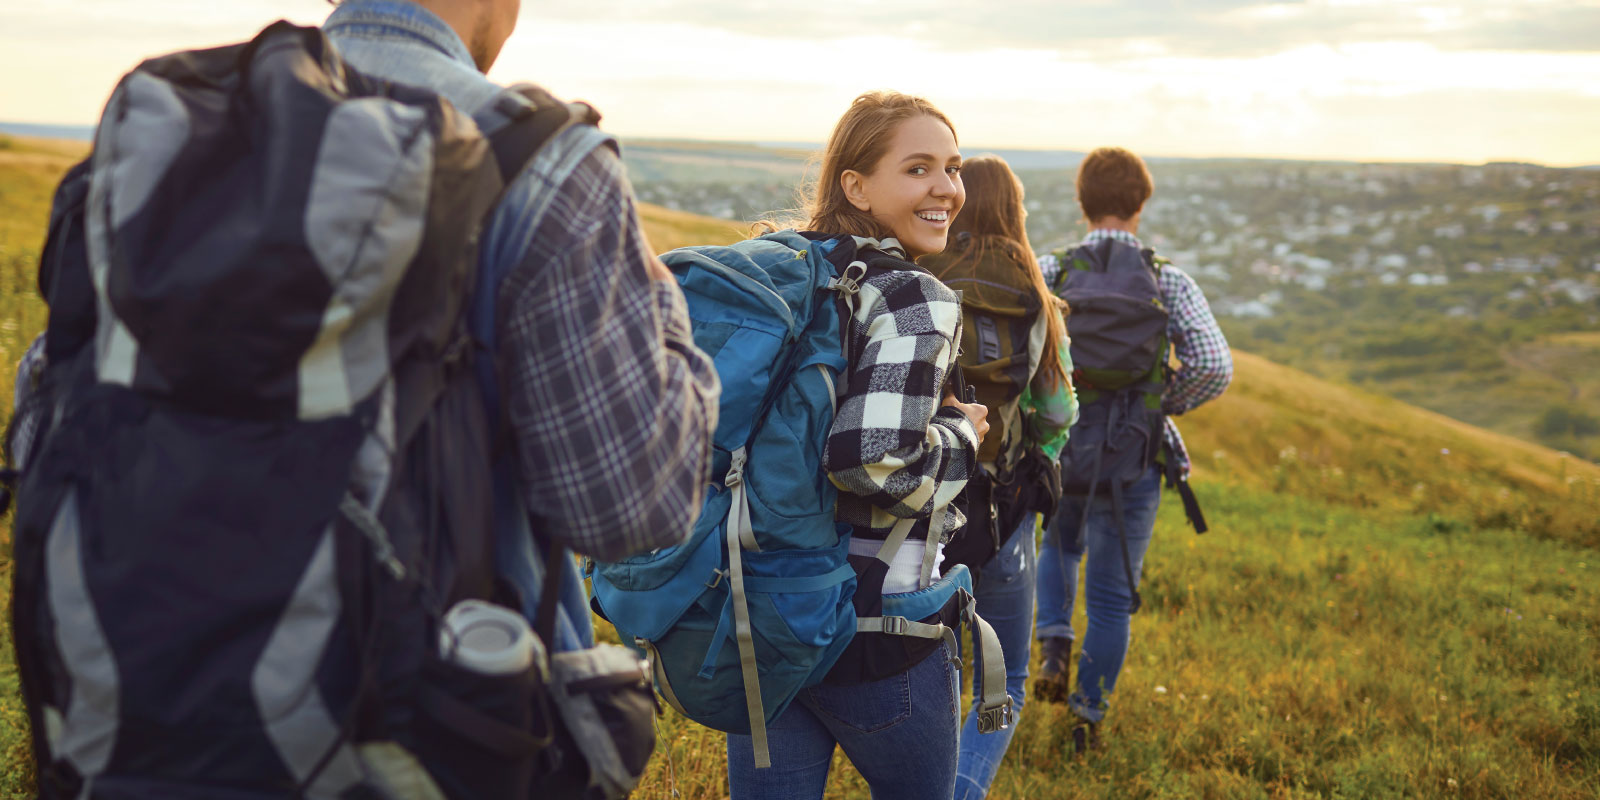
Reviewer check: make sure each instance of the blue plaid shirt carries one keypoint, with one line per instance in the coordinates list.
(610, 404)
(1205, 362)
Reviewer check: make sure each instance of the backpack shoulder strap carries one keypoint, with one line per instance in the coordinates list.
(1155, 262)
(523, 119)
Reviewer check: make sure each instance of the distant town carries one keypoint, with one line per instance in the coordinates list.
(1465, 289)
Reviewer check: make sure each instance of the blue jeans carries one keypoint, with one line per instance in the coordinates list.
(1105, 641)
(1005, 601)
(900, 733)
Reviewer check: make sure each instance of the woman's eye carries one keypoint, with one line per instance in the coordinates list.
(919, 170)
(953, 170)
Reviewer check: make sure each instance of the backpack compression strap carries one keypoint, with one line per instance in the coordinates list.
(1175, 480)
(740, 534)
(995, 711)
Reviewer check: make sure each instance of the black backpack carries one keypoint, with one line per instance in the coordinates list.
(999, 311)
(258, 466)
(1118, 325)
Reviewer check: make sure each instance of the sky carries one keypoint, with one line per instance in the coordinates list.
(1373, 80)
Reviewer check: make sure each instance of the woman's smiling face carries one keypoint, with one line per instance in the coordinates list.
(915, 188)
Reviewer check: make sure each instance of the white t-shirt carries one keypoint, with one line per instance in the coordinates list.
(906, 566)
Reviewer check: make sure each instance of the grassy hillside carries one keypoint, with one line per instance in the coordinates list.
(1390, 604)
(1532, 386)
(670, 229)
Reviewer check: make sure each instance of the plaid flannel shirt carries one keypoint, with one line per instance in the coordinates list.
(894, 451)
(1205, 362)
(611, 406)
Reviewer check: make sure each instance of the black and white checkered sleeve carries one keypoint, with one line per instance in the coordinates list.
(892, 444)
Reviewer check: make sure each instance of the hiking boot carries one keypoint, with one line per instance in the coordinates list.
(1085, 737)
(1054, 683)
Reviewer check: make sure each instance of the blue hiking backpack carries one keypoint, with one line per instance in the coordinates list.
(759, 603)
(756, 604)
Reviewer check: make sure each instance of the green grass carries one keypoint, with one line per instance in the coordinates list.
(1303, 649)
(29, 170)
(1391, 603)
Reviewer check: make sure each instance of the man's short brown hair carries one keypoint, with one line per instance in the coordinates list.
(1113, 182)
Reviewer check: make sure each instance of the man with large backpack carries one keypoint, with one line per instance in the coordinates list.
(347, 346)
(1129, 308)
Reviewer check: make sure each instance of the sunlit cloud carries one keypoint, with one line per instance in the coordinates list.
(1464, 81)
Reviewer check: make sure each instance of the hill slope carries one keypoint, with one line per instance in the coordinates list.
(1391, 604)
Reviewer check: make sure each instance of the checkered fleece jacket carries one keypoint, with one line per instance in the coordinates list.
(894, 452)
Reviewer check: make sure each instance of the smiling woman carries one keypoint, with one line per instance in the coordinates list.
(882, 141)
(916, 189)
(899, 450)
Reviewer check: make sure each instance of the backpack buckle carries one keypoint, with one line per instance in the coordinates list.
(716, 578)
(735, 474)
(849, 282)
(998, 718)
(895, 626)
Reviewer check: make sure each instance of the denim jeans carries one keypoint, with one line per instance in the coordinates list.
(900, 733)
(1106, 592)
(1005, 600)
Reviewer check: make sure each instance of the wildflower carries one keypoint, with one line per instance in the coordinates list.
(1161, 690)
(1444, 451)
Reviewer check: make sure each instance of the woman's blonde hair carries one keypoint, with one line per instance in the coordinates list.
(994, 219)
(858, 143)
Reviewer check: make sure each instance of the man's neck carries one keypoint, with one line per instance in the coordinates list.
(1109, 223)
(466, 19)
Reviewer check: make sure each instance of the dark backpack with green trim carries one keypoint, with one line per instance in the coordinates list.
(1118, 326)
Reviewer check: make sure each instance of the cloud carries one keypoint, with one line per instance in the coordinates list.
(1080, 29)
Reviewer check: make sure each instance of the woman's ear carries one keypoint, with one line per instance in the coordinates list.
(855, 189)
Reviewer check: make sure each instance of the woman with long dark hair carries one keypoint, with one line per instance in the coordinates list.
(1014, 352)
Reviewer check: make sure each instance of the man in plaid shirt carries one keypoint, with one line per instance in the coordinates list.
(611, 406)
(1113, 186)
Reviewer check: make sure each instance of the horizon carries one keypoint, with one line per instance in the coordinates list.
(1464, 82)
(84, 133)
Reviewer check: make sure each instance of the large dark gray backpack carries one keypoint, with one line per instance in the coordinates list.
(259, 467)
(1118, 325)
